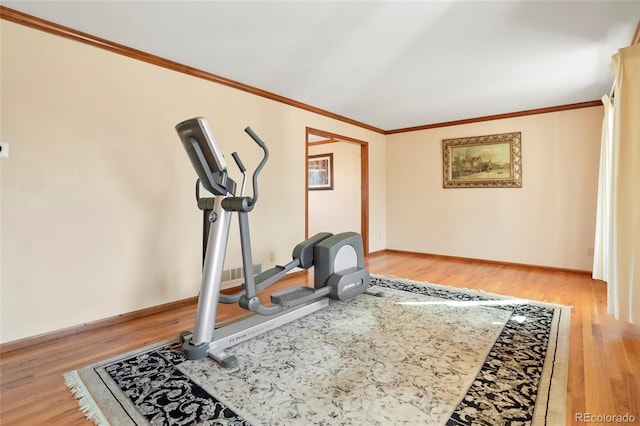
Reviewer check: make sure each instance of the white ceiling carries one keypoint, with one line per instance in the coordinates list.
(387, 64)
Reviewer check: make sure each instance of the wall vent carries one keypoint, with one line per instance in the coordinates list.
(234, 276)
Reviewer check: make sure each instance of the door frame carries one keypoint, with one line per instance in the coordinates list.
(364, 179)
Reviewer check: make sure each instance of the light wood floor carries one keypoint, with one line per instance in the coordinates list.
(604, 366)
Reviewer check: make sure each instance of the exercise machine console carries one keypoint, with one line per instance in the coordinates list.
(338, 260)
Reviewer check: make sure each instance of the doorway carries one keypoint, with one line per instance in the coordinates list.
(316, 138)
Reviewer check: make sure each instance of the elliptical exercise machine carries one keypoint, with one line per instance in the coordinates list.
(338, 260)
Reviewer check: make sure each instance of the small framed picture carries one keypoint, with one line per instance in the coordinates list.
(320, 169)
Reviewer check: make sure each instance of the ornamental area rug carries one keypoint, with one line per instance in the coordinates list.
(423, 354)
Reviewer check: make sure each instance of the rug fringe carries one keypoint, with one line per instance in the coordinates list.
(87, 405)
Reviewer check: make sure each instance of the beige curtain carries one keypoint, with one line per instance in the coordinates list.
(603, 247)
(617, 250)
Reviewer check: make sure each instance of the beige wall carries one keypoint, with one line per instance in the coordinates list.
(97, 212)
(337, 210)
(98, 216)
(550, 221)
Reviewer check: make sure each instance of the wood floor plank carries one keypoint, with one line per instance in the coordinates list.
(604, 365)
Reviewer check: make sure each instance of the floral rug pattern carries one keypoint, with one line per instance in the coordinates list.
(423, 354)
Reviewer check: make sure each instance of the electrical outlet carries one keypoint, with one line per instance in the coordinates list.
(4, 149)
(272, 257)
(590, 251)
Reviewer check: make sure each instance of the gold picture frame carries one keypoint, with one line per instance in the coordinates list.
(490, 161)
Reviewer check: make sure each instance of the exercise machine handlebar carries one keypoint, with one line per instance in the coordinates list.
(265, 158)
(256, 138)
(244, 203)
(243, 169)
(241, 166)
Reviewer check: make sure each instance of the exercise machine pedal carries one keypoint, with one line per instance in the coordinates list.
(297, 296)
